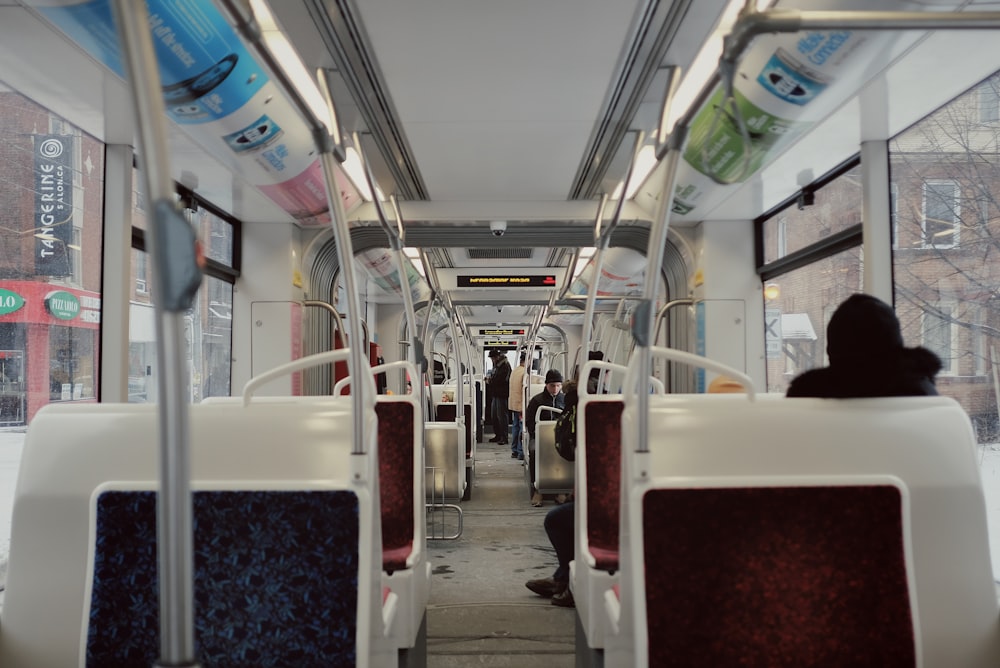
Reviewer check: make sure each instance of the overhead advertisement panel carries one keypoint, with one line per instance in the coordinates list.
(784, 85)
(222, 96)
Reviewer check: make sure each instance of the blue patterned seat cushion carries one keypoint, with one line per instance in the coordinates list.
(276, 579)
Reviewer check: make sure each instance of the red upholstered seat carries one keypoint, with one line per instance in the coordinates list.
(603, 443)
(395, 464)
(777, 576)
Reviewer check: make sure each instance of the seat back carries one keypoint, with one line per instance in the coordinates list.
(553, 474)
(280, 506)
(599, 465)
(444, 458)
(245, 575)
(777, 576)
(401, 480)
(794, 531)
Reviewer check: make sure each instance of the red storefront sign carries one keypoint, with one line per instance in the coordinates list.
(34, 310)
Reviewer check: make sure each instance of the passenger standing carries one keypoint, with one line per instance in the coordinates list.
(550, 396)
(867, 357)
(515, 402)
(499, 390)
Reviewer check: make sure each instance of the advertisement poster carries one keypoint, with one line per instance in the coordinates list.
(205, 70)
(219, 93)
(53, 219)
(773, 96)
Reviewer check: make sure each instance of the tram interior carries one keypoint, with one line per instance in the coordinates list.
(513, 149)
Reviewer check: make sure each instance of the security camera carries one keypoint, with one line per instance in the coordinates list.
(500, 308)
(498, 227)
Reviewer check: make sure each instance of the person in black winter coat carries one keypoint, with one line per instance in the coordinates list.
(867, 357)
(499, 391)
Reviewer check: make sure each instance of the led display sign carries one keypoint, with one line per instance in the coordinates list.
(490, 281)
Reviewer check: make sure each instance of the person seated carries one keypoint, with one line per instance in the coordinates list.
(867, 357)
(559, 527)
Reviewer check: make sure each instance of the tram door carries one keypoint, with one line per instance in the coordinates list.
(11, 387)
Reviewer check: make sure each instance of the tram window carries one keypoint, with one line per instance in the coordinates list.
(835, 207)
(51, 234)
(948, 223)
(216, 236)
(797, 307)
(208, 324)
(208, 327)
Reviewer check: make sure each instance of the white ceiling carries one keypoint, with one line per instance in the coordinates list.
(497, 98)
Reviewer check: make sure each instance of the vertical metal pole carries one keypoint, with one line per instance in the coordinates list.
(171, 243)
(588, 310)
(401, 264)
(644, 322)
(331, 153)
(342, 235)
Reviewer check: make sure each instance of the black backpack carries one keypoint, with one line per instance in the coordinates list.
(566, 433)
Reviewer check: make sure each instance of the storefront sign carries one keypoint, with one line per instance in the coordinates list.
(53, 219)
(10, 301)
(62, 305)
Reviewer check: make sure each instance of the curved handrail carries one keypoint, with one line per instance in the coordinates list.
(398, 364)
(328, 357)
(611, 366)
(377, 369)
(698, 361)
(553, 409)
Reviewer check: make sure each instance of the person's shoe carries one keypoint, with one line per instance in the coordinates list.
(520, 456)
(513, 455)
(546, 587)
(502, 443)
(536, 499)
(564, 599)
(495, 439)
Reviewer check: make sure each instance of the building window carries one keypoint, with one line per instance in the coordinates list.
(894, 213)
(76, 256)
(141, 262)
(941, 209)
(979, 343)
(989, 102)
(939, 336)
(782, 236)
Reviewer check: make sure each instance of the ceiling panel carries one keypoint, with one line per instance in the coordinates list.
(484, 88)
(485, 162)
